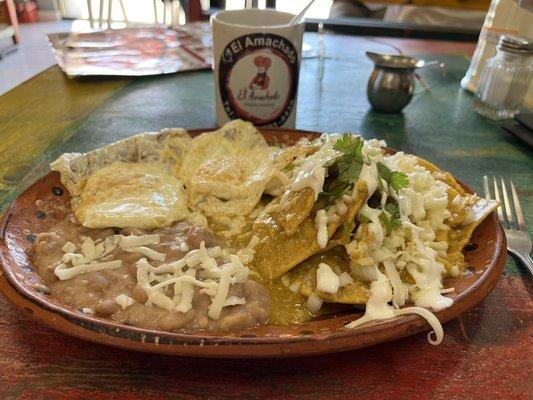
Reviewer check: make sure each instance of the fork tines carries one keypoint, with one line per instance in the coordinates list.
(510, 215)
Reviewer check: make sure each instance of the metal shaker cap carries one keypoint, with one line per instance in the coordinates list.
(515, 44)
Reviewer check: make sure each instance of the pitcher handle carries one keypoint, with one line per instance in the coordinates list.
(428, 86)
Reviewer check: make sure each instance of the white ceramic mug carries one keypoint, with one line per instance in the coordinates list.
(257, 64)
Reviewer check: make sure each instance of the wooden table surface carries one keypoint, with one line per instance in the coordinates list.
(486, 353)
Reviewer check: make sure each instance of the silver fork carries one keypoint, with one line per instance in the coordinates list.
(518, 240)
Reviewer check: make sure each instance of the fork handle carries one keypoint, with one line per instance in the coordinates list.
(525, 258)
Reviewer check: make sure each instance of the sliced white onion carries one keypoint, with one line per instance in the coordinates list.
(327, 281)
(314, 303)
(345, 279)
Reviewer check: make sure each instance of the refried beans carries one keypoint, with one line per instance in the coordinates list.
(96, 292)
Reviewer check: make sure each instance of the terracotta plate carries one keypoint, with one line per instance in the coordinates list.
(21, 285)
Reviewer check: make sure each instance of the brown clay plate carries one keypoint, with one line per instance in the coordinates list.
(19, 282)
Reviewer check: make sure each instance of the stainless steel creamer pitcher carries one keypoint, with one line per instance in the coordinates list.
(392, 82)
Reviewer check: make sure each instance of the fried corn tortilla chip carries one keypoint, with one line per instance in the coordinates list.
(460, 236)
(441, 175)
(352, 293)
(277, 252)
(304, 274)
(291, 211)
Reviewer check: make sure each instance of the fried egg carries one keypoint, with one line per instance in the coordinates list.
(227, 171)
(137, 195)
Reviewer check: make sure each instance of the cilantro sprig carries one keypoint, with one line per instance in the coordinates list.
(364, 220)
(395, 179)
(349, 165)
(390, 217)
(393, 209)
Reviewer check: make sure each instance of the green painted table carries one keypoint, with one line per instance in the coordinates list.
(486, 353)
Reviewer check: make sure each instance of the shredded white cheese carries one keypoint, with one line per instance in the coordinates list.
(219, 300)
(448, 290)
(63, 272)
(148, 252)
(69, 247)
(412, 247)
(92, 254)
(137, 241)
(400, 292)
(186, 291)
(211, 269)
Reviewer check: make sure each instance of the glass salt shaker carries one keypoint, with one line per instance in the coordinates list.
(505, 78)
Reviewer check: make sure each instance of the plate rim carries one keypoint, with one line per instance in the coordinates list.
(184, 344)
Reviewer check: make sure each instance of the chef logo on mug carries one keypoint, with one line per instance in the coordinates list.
(258, 76)
(261, 79)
